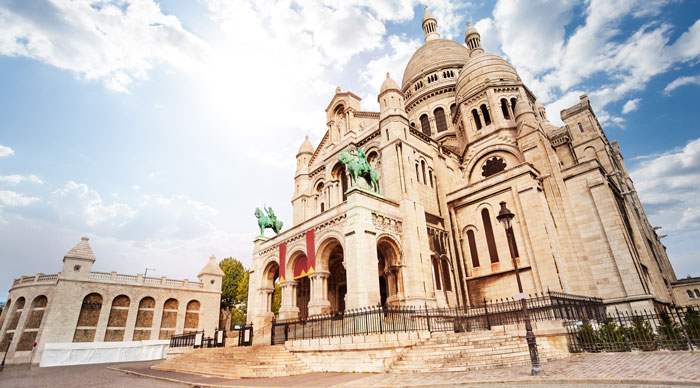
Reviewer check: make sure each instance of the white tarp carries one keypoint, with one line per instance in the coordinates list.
(100, 352)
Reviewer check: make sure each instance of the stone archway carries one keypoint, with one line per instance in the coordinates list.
(329, 282)
(270, 279)
(389, 272)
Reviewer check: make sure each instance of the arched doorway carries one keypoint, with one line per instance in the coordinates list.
(389, 272)
(297, 268)
(331, 259)
(270, 287)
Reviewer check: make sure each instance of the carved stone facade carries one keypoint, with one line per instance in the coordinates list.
(460, 135)
(79, 305)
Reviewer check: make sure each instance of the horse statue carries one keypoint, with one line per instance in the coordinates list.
(268, 220)
(359, 168)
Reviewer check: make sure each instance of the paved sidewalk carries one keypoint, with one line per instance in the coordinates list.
(628, 369)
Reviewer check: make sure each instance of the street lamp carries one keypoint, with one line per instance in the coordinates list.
(505, 217)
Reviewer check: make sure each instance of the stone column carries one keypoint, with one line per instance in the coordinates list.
(289, 308)
(319, 302)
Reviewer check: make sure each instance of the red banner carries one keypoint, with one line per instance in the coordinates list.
(310, 253)
(283, 253)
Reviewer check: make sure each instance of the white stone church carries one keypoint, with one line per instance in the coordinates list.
(460, 135)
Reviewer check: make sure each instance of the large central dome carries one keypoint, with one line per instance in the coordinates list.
(434, 54)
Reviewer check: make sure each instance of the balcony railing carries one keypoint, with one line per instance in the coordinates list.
(113, 276)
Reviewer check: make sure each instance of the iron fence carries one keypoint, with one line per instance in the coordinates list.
(392, 319)
(184, 340)
(671, 329)
(197, 340)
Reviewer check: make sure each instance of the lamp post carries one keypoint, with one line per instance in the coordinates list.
(505, 217)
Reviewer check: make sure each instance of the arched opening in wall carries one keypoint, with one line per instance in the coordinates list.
(690, 294)
(389, 271)
(504, 108)
(413, 125)
(471, 240)
(485, 113)
(330, 257)
(88, 318)
(3, 316)
(12, 324)
(323, 207)
(453, 110)
(271, 288)
(375, 162)
(580, 127)
(320, 196)
(417, 173)
(422, 166)
(192, 316)
(144, 319)
(513, 101)
(492, 166)
(32, 324)
(488, 230)
(300, 267)
(445, 272)
(436, 273)
(168, 320)
(430, 175)
(440, 121)
(425, 124)
(477, 120)
(117, 319)
(338, 173)
(697, 293)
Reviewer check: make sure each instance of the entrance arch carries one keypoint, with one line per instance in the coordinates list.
(331, 279)
(268, 287)
(302, 292)
(389, 271)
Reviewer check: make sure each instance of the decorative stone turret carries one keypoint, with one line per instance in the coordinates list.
(391, 100)
(301, 180)
(473, 40)
(77, 263)
(430, 26)
(211, 275)
(523, 112)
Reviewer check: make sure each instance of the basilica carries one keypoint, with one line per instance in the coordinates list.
(459, 136)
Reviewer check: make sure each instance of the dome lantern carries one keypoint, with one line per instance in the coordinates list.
(430, 26)
(473, 40)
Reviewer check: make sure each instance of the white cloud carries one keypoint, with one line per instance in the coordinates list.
(631, 105)
(13, 199)
(553, 64)
(6, 151)
(681, 81)
(16, 178)
(117, 42)
(80, 205)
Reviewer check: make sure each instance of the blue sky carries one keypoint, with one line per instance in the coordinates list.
(156, 128)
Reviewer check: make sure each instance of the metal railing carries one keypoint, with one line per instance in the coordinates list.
(197, 340)
(184, 340)
(392, 319)
(671, 329)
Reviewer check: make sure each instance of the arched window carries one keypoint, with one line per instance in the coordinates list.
(12, 323)
(446, 276)
(144, 319)
(117, 319)
(690, 294)
(697, 293)
(323, 208)
(485, 112)
(493, 166)
(471, 239)
(490, 241)
(5, 312)
(513, 101)
(88, 318)
(453, 110)
(192, 316)
(422, 166)
(32, 324)
(580, 127)
(436, 269)
(504, 108)
(477, 120)
(440, 120)
(169, 319)
(341, 175)
(425, 124)
(417, 173)
(430, 174)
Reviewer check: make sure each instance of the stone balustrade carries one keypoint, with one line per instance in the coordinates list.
(114, 277)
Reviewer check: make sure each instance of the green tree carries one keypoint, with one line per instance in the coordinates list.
(239, 311)
(277, 298)
(234, 272)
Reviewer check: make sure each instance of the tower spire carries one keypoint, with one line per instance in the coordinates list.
(473, 40)
(430, 26)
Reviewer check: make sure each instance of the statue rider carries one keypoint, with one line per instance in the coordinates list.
(271, 214)
(362, 158)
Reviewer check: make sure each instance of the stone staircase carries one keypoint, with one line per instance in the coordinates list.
(457, 352)
(237, 362)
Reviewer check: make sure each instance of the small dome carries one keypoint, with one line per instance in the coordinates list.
(389, 84)
(306, 146)
(211, 268)
(434, 54)
(482, 67)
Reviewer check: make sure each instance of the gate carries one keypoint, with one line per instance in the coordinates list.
(245, 336)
